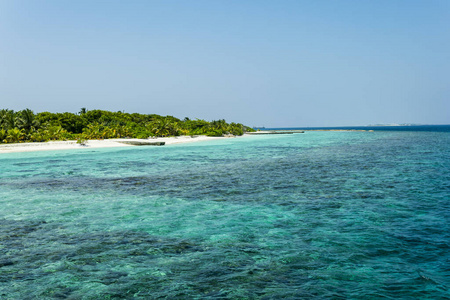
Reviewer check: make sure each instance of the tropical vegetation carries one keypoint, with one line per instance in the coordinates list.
(26, 126)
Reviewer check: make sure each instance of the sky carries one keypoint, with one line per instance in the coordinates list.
(278, 63)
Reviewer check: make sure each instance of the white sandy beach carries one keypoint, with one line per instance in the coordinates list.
(67, 145)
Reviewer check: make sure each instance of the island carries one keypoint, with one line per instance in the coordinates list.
(26, 126)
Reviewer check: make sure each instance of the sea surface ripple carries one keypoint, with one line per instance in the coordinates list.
(324, 215)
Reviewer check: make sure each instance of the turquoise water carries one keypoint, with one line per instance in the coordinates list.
(326, 215)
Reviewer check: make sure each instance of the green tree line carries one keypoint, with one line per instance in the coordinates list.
(26, 126)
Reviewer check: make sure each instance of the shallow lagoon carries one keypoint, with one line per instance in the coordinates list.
(319, 214)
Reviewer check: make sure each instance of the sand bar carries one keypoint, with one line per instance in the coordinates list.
(109, 143)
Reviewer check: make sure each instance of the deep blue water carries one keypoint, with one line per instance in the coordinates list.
(429, 128)
(325, 215)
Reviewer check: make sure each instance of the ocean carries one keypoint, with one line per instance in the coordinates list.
(429, 128)
(323, 215)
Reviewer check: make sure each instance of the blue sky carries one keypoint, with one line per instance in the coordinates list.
(262, 63)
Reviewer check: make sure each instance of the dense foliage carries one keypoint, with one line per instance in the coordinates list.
(26, 126)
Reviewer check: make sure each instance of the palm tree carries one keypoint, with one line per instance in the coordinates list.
(26, 120)
(7, 119)
(14, 135)
(39, 135)
(3, 114)
(3, 135)
(174, 128)
(237, 129)
(92, 131)
(219, 126)
(55, 132)
(160, 127)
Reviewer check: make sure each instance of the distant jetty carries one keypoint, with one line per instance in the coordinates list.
(276, 132)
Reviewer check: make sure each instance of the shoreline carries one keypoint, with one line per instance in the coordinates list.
(107, 143)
